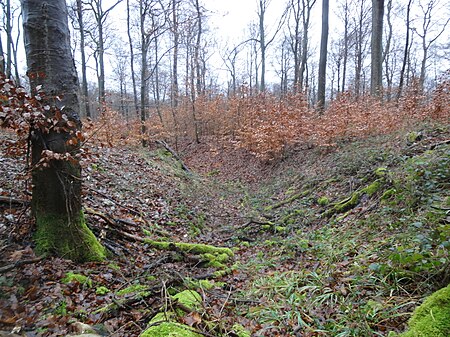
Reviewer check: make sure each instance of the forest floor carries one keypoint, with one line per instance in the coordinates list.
(341, 241)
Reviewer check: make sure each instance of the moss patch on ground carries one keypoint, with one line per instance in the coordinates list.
(73, 277)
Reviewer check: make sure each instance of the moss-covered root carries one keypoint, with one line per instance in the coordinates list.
(215, 256)
(75, 241)
(352, 201)
(432, 318)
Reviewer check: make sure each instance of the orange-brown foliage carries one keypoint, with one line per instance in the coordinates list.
(266, 125)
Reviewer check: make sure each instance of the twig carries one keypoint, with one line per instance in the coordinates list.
(435, 145)
(13, 201)
(174, 154)
(9, 267)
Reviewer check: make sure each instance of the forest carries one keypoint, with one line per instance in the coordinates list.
(164, 174)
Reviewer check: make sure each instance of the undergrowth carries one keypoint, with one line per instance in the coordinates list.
(360, 273)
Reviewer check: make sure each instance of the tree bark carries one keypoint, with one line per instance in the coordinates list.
(56, 201)
(376, 75)
(84, 86)
(133, 75)
(323, 57)
(405, 52)
(8, 39)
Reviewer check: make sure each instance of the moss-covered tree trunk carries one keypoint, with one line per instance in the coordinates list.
(56, 201)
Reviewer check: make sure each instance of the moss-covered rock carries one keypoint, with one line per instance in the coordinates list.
(432, 318)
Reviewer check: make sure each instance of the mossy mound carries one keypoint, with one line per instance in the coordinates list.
(432, 318)
(170, 329)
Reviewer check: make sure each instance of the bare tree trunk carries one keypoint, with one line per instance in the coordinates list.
(56, 203)
(174, 91)
(8, 39)
(295, 7)
(306, 16)
(346, 38)
(376, 75)
(323, 57)
(101, 53)
(2, 57)
(133, 74)
(84, 86)
(262, 44)
(144, 71)
(405, 53)
(387, 51)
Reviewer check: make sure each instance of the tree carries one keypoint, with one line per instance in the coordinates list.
(295, 35)
(10, 17)
(100, 16)
(56, 201)
(376, 73)
(306, 17)
(405, 52)
(323, 56)
(84, 86)
(360, 33)
(133, 75)
(428, 26)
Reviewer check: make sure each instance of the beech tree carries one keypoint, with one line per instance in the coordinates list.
(323, 56)
(56, 198)
(377, 48)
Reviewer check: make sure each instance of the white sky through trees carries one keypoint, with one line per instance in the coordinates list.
(227, 25)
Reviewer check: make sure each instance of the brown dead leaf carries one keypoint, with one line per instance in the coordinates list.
(192, 319)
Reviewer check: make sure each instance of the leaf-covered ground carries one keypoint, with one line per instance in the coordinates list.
(341, 241)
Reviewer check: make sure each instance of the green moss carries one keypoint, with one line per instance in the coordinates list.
(372, 188)
(162, 317)
(215, 256)
(266, 227)
(135, 288)
(75, 242)
(280, 229)
(388, 193)
(323, 201)
(189, 298)
(170, 329)
(432, 318)
(72, 277)
(381, 172)
(196, 248)
(348, 203)
(413, 136)
(102, 291)
(240, 331)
